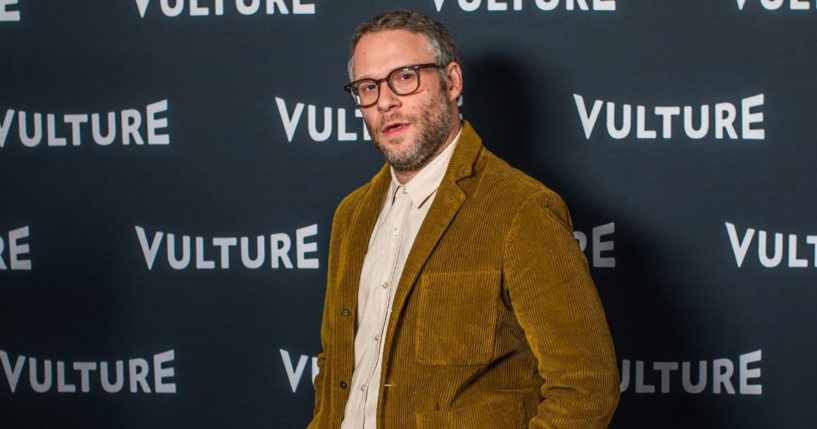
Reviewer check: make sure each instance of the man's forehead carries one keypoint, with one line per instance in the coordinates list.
(380, 52)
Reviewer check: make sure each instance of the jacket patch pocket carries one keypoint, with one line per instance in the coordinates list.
(457, 319)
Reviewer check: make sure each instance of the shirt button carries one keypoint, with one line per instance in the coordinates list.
(362, 387)
(385, 285)
(377, 337)
(343, 385)
(346, 312)
(404, 190)
(395, 231)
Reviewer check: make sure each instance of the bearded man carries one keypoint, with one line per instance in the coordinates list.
(457, 296)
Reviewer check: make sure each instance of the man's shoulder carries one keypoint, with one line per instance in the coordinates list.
(510, 194)
(353, 199)
(512, 184)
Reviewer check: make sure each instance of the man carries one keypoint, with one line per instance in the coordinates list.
(457, 296)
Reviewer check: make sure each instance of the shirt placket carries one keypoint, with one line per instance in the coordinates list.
(395, 229)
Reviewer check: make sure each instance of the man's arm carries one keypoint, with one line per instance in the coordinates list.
(558, 307)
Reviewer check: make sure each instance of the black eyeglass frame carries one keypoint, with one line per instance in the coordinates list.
(387, 79)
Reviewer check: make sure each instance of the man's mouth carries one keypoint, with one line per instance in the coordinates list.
(393, 128)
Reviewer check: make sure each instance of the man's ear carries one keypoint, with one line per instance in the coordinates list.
(453, 75)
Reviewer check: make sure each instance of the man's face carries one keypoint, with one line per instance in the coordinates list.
(409, 129)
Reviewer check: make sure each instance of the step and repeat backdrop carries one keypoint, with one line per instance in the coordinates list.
(169, 170)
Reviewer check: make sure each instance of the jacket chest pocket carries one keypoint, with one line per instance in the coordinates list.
(456, 324)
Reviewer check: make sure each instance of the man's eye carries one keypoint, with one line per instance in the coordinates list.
(405, 76)
(367, 87)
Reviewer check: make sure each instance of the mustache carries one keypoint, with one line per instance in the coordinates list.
(394, 117)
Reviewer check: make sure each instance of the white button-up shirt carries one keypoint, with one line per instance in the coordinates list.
(404, 209)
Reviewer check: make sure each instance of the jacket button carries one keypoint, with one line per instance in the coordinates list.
(343, 385)
(346, 312)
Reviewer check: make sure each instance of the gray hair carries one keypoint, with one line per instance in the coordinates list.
(440, 42)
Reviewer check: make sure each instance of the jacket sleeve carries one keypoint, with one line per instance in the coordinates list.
(558, 307)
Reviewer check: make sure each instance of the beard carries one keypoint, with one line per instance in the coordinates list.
(434, 125)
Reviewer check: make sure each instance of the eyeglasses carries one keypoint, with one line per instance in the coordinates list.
(402, 81)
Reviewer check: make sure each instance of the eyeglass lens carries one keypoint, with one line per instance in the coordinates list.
(401, 81)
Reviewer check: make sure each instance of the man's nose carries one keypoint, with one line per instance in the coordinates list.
(388, 100)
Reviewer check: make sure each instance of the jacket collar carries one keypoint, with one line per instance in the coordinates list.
(465, 155)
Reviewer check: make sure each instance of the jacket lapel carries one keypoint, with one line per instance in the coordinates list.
(363, 221)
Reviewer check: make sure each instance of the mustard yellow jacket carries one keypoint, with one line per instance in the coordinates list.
(496, 322)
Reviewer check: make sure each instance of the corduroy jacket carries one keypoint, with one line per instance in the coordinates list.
(496, 322)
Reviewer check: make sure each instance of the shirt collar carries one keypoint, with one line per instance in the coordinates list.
(428, 179)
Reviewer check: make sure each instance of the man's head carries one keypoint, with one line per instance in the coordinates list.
(410, 129)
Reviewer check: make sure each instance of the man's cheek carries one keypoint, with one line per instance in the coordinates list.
(367, 121)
